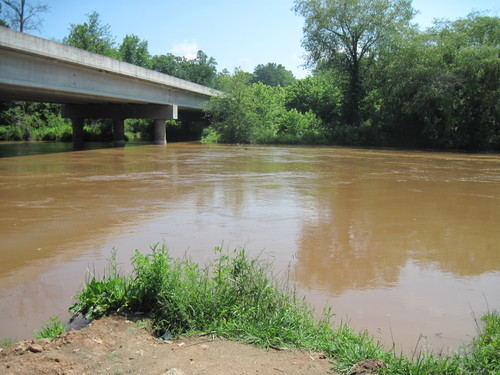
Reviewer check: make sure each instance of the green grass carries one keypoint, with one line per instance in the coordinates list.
(239, 298)
(51, 329)
(6, 342)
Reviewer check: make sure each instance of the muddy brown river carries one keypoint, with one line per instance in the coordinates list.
(405, 244)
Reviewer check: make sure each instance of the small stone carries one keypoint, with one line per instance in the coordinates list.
(35, 348)
(21, 347)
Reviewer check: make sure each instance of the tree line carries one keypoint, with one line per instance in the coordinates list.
(376, 80)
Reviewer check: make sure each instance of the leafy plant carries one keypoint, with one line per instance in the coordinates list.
(51, 329)
(101, 297)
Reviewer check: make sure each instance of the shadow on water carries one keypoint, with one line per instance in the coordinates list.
(14, 149)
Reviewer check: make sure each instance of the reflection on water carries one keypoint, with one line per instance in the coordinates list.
(401, 243)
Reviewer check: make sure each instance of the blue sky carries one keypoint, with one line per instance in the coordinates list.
(236, 33)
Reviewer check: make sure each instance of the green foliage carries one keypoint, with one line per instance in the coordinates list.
(320, 94)
(11, 133)
(102, 296)
(92, 36)
(273, 74)
(256, 113)
(201, 70)
(34, 122)
(98, 130)
(6, 342)
(345, 35)
(234, 295)
(134, 51)
(238, 297)
(440, 88)
(210, 135)
(51, 329)
(486, 348)
(139, 128)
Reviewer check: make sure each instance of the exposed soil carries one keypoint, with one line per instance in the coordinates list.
(116, 345)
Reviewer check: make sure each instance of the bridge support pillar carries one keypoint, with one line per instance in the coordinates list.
(160, 132)
(77, 124)
(119, 112)
(168, 112)
(118, 132)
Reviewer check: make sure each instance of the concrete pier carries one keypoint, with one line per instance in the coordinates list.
(160, 132)
(77, 124)
(118, 132)
(120, 112)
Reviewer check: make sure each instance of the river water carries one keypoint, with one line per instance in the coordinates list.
(405, 244)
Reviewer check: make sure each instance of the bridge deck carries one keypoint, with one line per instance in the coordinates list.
(37, 69)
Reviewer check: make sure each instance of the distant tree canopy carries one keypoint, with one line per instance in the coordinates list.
(273, 74)
(347, 34)
(22, 15)
(134, 51)
(201, 70)
(377, 81)
(92, 36)
(440, 89)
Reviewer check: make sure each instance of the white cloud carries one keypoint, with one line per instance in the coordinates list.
(186, 49)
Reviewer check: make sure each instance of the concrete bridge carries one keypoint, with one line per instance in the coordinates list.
(92, 86)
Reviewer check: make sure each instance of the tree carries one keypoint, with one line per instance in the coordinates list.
(273, 75)
(24, 16)
(344, 34)
(92, 36)
(201, 70)
(256, 113)
(440, 88)
(134, 51)
(319, 94)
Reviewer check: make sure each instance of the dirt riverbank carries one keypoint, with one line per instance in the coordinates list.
(116, 345)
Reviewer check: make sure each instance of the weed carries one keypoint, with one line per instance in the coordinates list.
(6, 342)
(146, 323)
(114, 356)
(101, 297)
(51, 329)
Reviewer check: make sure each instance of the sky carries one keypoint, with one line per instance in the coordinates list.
(236, 33)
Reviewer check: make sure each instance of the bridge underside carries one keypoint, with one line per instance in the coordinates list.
(118, 112)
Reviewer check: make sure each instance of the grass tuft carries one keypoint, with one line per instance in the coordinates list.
(51, 329)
